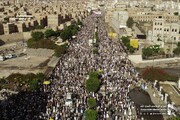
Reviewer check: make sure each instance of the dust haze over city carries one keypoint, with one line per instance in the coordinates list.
(89, 60)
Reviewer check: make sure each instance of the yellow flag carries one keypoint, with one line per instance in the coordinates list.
(110, 34)
(114, 35)
(134, 43)
(46, 82)
(51, 118)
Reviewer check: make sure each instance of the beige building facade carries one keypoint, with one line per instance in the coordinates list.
(9, 28)
(150, 17)
(54, 20)
(143, 14)
(165, 31)
(21, 27)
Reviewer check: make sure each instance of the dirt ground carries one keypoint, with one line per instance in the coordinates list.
(34, 60)
(23, 65)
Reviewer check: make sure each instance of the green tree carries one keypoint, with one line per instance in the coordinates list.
(176, 51)
(146, 52)
(31, 43)
(94, 74)
(48, 33)
(69, 31)
(39, 27)
(130, 22)
(74, 31)
(60, 50)
(155, 49)
(57, 33)
(96, 44)
(91, 114)
(152, 50)
(131, 49)
(95, 50)
(178, 44)
(37, 35)
(40, 76)
(2, 83)
(125, 40)
(74, 28)
(33, 84)
(34, 80)
(96, 36)
(91, 102)
(24, 82)
(66, 34)
(93, 83)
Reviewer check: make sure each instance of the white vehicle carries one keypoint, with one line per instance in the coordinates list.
(2, 58)
(68, 99)
(102, 90)
(9, 56)
(74, 37)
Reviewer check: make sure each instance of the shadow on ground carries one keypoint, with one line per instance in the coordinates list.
(23, 106)
(141, 97)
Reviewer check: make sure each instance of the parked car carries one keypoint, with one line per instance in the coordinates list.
(9, 56)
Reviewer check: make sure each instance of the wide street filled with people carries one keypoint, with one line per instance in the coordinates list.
(71, 72)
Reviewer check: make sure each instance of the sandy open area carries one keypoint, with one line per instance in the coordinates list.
(34, 61)
(23, 65)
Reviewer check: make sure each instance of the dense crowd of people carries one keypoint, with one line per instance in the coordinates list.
(70, 75)
(72, 70)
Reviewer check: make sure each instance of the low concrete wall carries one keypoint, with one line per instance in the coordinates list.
(164, 63)
(168, 83)
(15, 37)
